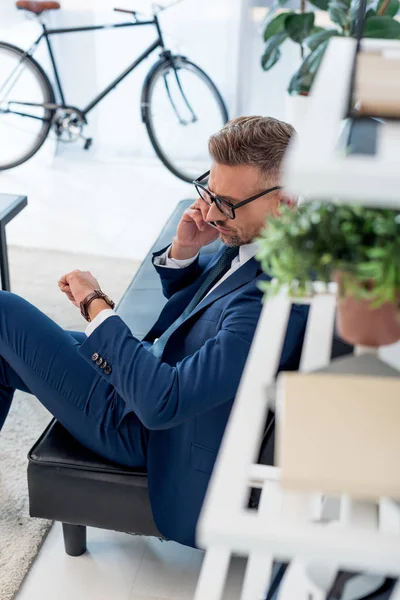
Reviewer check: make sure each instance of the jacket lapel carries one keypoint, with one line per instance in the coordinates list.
(243, 275)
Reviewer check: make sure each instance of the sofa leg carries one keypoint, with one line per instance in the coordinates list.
(74, 539)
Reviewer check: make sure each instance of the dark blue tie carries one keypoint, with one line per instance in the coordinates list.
(221, 267)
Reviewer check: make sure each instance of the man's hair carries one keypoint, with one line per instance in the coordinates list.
(255, 141)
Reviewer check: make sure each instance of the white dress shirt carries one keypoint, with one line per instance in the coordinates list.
(246, 252)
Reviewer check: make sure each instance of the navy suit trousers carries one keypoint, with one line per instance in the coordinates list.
(38, 357)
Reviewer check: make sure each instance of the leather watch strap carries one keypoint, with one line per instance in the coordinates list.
(84, 305)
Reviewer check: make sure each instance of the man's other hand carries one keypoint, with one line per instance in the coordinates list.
(77, 285)
(192, 234)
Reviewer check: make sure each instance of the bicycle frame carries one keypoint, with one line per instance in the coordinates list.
(47, 33)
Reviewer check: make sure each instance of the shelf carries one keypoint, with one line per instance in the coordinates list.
(321, 163)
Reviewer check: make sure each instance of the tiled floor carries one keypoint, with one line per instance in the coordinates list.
(119, 566)
(81, 203)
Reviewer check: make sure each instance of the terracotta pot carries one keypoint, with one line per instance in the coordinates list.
(360, 324)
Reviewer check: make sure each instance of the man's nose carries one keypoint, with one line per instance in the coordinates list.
(214, 214)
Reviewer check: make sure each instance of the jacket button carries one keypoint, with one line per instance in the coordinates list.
(103, 366)
(107, 370)
(99, 361)
(95, 356)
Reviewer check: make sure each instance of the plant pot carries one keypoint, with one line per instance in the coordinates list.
(358, 323)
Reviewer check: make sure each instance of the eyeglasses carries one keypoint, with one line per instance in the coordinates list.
(227, 208)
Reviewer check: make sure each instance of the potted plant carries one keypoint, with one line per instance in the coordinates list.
(356, 246)
(299, 26)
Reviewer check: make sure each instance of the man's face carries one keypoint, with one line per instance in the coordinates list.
(236, 184)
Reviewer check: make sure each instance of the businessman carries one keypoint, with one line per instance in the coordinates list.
(163, 403)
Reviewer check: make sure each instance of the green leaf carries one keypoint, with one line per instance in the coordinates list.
(391, 9)
(316, 29)
(339, 13)
(276, 25)
(298, 26)
(273, 11)
(356, 17)
(371, 8)
(271, 52)
(370, 13)
(320, 238)
(377, 252)
(315, 39)
(382, 27)
(321, 4)
(302, 80)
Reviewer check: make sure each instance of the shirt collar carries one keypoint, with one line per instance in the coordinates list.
(248, 251)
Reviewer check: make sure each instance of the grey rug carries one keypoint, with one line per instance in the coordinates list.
(34, 275)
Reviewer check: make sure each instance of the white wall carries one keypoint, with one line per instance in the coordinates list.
(262, 92)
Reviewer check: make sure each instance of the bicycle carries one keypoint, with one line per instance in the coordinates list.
(179, 101)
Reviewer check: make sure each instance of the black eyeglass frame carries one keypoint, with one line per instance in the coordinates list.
(218, 201)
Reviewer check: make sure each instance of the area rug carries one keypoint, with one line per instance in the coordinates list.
(34, 275)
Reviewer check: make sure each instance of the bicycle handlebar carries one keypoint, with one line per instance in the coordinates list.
(133, 13)
(124, 10)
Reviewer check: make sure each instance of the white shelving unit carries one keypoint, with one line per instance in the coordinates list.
(287, 525)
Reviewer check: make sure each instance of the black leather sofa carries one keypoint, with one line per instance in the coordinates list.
(70, 484)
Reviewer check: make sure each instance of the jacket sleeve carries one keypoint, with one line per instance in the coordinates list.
(164, 396)
(173, 280)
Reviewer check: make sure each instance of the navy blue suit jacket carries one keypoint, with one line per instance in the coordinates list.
(185, 399)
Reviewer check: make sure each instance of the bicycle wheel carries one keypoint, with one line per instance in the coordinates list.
(24, 122)
(181, 108)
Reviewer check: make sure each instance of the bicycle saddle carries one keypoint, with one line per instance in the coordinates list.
(37, 6)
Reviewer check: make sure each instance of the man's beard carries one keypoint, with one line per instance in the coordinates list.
(232, 241)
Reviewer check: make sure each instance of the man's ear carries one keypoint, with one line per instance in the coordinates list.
(284, 200)
(287, 200)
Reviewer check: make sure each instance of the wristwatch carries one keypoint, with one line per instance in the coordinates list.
(87, 301)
